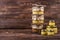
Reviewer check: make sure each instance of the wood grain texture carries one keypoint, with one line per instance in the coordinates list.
(18, 13)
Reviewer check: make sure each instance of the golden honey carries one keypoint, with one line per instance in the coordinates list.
(52, 23)
(35, 12)
(43, 32)
(48, 28)
(55, 30)
(34, 22)
(41, 21)
(41, 12)
(50, 32)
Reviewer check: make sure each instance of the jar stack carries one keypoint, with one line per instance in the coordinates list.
(51, 29)
(37, 18)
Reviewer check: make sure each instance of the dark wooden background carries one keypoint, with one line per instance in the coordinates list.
(17, 13)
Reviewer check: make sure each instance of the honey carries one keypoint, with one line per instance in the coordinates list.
(50, 32)
(43, 32)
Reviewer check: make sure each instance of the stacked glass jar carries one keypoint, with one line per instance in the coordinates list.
(37, 18)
